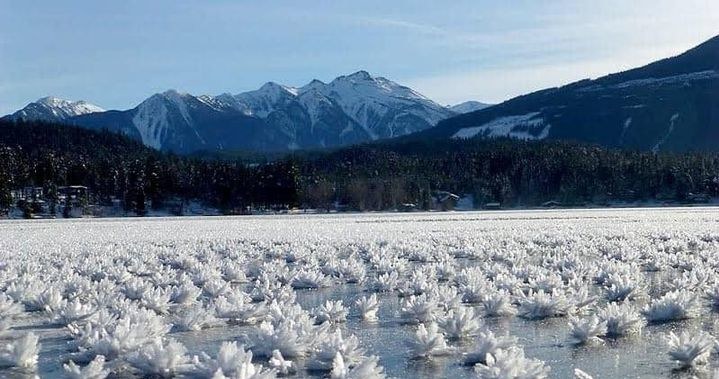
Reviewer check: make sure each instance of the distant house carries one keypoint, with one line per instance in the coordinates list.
(30, 200)
(551, 204)
(407, 207)
(698, 198)
(73, 193)
(444, 201)
(29, 194)
(493, 206)
(75, 201)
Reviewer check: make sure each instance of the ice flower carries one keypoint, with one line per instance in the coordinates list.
(428, 342)
(447, 297)
(698, 279)
(675, 305)
(690, 349)
(216, 287)
(446, 270)
(511, 363)
(586, 330)
(309, 279)
(487, 343)
(94, 370)
(579, 374)
(194, 319)
(292, 339)
(329, 347)
(331, 311)
(9, 308)
(539, 305)
(161, 360)
(349, 270)
(71, 311)
(135, 288)
(497, 304)
(231, 362)
(263, 289)
(128, 334)
(712, 295)
(621, 320)
(233, 273)
(51, 300)
(279, 363)
(367, 369)
(156, 299)
(27, 290)
(622, 287)
(22, 352)
(473, 287)
(368, 307)
(185, 293)
(417, 284)
(386, 282)
(239, 310)
(418, 309)
(460, 323)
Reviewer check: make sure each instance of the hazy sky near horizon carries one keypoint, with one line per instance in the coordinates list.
(117, 53)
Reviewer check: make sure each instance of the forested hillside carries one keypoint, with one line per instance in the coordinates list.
(366, 177)
(114, 166)
(514, 173)
(668, 105)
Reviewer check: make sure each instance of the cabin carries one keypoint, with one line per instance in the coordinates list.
(698, 198)
(493, 206)
(29, 194)
(407, 207)
(444, 201)
(75, 201)
(73, 193)
(551, 204)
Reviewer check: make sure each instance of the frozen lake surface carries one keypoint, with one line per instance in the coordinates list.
(204, 281)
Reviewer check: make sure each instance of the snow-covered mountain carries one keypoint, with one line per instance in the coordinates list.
(667, 105)
(468, 106)
(379, 107)
(54, 109)
(350, 109)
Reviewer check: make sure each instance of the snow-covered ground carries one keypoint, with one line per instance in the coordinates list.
(612, 292)
(526, 127)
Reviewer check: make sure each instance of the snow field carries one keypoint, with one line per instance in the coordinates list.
(478, 294)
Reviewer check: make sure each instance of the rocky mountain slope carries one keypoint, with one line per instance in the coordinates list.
(668, 105)
(350, 109)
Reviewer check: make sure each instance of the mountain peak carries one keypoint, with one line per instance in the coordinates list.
(314, 85)
(703, 57)
(173, 93)
(468, 106)
(52, 108)
(50, 100)
(360, 75)
(354, 108)
(276, 87)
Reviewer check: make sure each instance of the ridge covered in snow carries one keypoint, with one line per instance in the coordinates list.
(468, 106)
(350, 109)
(379, 106)
(54, 109)
(666, 105)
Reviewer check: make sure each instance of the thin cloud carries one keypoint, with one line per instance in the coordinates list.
(498, 84)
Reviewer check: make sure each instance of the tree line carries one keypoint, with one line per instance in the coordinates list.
(378, 176)
(511, 172)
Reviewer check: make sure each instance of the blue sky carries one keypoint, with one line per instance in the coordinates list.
(116, 53)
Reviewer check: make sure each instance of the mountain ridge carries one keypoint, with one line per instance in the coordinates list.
(352, 108)
(667, 105)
